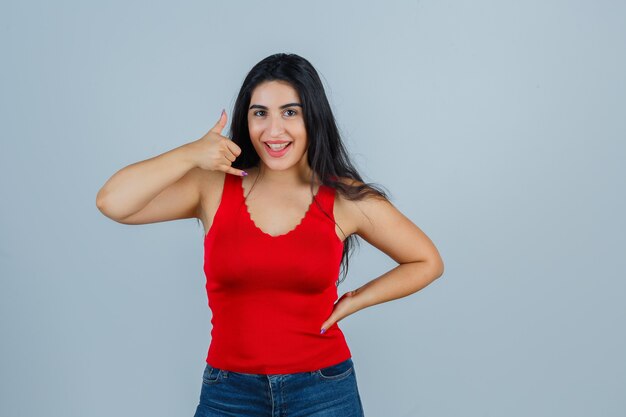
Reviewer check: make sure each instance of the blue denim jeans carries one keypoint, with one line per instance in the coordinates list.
(327, 392)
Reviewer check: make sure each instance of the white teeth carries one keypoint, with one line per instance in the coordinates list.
(277, 147)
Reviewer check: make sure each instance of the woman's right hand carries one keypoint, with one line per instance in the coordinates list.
(215, 152)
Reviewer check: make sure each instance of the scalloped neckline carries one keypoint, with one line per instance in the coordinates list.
(306, 213)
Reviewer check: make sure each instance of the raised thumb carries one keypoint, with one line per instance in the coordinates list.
(219, 126)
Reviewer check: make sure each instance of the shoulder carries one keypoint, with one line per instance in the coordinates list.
(366, 199)
(357, 214)
(211, 183)
(211, 186)
(380, 223)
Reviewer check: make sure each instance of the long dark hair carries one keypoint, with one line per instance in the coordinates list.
(326, 153)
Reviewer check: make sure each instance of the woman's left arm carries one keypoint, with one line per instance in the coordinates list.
(382, 225)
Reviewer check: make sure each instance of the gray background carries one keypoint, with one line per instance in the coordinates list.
(497, 126)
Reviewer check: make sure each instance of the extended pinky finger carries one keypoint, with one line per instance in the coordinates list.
(237, 172)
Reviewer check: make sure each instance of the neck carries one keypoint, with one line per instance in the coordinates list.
(296, 175)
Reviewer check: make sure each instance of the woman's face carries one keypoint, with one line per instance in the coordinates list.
(275, 117)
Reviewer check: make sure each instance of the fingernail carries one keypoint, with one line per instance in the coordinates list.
(322, 331)
(244, 173)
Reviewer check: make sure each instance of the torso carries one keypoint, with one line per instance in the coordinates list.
(274, 211)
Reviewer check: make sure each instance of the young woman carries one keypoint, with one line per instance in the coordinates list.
(281, 205)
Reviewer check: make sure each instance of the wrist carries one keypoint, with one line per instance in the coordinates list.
(358, 299)
(188, 155)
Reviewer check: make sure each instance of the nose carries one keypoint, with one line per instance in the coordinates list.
(276, 126)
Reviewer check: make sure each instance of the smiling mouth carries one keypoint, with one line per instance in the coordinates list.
(277, 147)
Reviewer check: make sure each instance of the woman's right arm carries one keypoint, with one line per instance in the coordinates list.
(167, 186)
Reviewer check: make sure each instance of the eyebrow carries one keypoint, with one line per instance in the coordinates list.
(258, 106)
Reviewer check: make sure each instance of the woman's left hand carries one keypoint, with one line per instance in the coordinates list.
(342, 308)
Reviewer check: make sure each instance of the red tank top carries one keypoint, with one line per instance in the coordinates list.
(269, 295)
